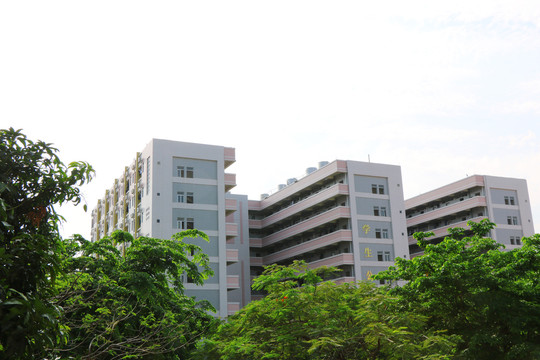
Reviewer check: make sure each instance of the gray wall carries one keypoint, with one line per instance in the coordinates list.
(363, 183)
(203, 169)
(203, 194)
(204, 219)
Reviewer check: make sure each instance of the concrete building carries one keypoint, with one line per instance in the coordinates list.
(504, 201)
(173, 186)
(346, 214)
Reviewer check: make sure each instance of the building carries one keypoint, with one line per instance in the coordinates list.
(346, 214)
(173, 186)
(504, 201)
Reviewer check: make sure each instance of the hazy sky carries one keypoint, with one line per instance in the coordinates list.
(444, 89)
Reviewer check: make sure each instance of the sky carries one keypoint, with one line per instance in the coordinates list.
(443, 89)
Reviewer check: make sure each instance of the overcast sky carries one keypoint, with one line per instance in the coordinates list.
(443, 89)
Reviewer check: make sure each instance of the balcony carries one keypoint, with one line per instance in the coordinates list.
(312, 200)
(230, 181)
(255, 242)
(317, 243)
(256, 261)
(317, 220)
(466, 204)
(336, 260)
(448, 190)
(232, 256)
(233, 307)
(229, 156)
(255, 224)
(230, 206)
(233, 282)
(231, 230)
(443, 231)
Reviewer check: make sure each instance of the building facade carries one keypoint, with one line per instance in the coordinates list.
(504, 201)
(346, 214)
(172, 186)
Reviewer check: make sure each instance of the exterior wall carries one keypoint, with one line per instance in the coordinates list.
(239, 248)
(504, 201)
(322, 218)
(150, 189)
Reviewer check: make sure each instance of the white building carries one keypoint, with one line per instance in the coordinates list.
(504, 201)
(173, 186)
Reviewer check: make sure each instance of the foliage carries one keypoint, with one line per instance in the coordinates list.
(302, 318)
(132, 306)
(467, 285)
(32, 180)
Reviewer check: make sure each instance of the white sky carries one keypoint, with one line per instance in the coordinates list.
(443, 89)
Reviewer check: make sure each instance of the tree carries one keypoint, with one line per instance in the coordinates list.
(473, 288)
(131, 305)
(305, 318)
(32, 180)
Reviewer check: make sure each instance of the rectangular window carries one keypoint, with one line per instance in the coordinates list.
(379, 256)
(381, 189)
(509, 220)
(189, 172)
(190, 224)
(376, 211)
(518, 240)
(512, 200)
(373, 188)
(387, 256)
(514, 220)
(383, 211)
(180, 171)
(512, 240)
(180, 197)
(189, 198)
(181, 223)
(378, 234)
(506, 200)
(385, 233)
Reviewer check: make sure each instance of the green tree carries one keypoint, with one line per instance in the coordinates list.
(305, 318)
(467, 285)
(32, 180)
(131, 305)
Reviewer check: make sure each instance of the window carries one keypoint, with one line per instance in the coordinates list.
(512, 240)
(373, 188)
(381, 189)
(506, 200)
(181, 223)
(189, 198)
(379, 256)
(376, 211)
(185, 224)
(512, 200)
(189, 172)
(180, 196)
(387, 256)
(383, 211)
(381, 233)
(377, 189)
(180, 171)
(514, 220)
(518, 241)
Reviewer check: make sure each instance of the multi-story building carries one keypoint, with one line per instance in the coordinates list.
(504, 201)
(346, 214)
(172, 186)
